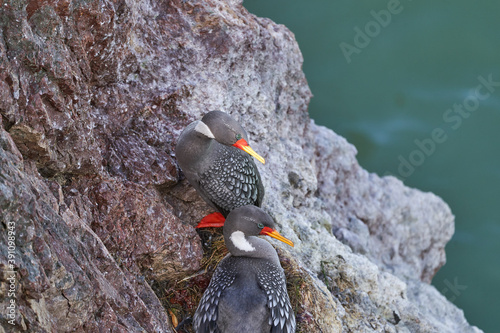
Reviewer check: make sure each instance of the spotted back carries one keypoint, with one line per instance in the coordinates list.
(232, 181)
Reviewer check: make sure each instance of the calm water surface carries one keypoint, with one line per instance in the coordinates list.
(406, 94)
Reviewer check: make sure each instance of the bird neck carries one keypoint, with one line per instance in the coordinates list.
(240, 245)
(193, 145)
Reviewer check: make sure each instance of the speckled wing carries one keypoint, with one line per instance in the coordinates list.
(232, 181)
(205, 317)
(272, 280)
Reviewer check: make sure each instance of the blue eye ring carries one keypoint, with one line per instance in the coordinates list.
(260, 225)
(238, 136)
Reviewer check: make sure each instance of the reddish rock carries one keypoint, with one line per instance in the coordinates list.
(66, 278)
(85, 162)
(140, 231)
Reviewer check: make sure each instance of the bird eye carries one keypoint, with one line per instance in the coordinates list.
(238, 136)
(260, 225)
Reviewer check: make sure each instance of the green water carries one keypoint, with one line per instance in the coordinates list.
(407, 82)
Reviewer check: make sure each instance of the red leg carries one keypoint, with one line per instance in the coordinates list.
(212, 220)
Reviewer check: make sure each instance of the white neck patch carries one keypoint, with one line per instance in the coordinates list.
(202, 128)
(238, 239)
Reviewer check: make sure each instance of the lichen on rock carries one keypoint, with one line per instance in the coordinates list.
(93, 95)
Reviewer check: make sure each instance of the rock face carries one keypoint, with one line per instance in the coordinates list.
(93, 95)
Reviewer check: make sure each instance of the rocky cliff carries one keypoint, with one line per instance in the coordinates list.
(97, 220)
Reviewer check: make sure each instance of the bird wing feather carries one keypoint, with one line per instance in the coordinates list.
(232, 181)
(272, 280)
(205, 317)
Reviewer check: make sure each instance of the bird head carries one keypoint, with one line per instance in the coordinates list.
(224, 129)
(247, 221)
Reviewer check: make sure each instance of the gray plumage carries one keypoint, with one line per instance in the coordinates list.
(226, 177)
(247, 292)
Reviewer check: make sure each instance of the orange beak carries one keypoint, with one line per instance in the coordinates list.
(243, 145)
(274, 234)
